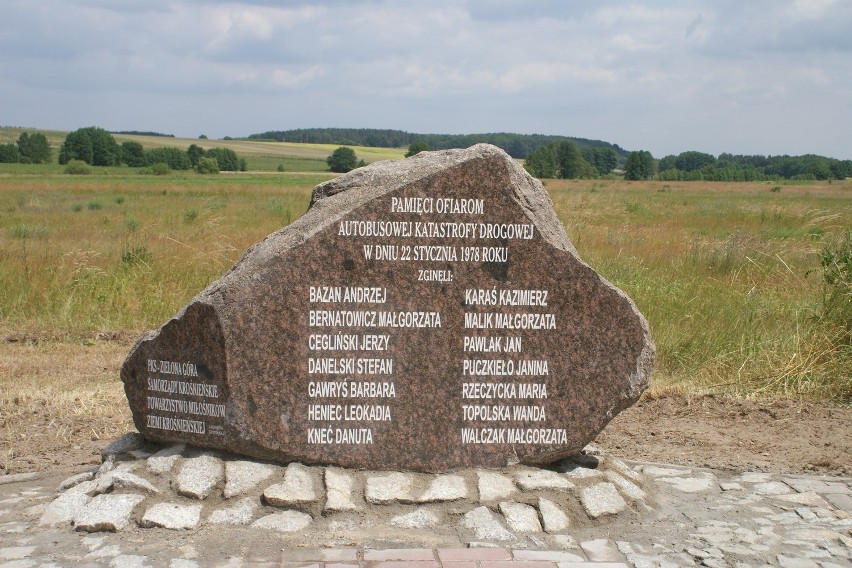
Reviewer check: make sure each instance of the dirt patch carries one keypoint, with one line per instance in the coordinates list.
(732, 434)
(719, 433)
(61, 402)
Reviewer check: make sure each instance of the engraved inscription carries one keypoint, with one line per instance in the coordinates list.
(187, 404)
(491, 347)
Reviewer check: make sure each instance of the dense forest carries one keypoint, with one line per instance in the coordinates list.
(516, 145)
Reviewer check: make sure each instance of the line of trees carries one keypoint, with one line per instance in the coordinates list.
(543, 157)
(143, 133)
(567, 160)
(546, 156)
(516, 145)
(30, 148)
(97, 147)
(692, 165)
(640, 165)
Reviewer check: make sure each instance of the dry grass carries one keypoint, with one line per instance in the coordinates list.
(124, 252)
(719, 270)
(721, 273)
(58, 397)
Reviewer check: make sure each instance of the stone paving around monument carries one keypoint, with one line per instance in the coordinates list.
(176, 506)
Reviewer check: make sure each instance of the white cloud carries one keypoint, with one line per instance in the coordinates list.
(629, 43)
(289, 79)
(237, 24)
(664, 75)
(537, 75)
(812, 9)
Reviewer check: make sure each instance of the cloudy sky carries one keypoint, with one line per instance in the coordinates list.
(740, 76)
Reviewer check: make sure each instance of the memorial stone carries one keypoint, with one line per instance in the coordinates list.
(425, 314)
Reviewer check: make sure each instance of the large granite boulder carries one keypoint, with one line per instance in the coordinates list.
(424, 314)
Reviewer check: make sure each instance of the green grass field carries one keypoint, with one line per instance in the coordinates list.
(260, 155)
(727, 274)
(268, 155)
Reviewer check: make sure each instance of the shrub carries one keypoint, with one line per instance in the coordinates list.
(132, 153)
(160, 169)
(175, 158)
(207, 166)
(836, 265)
(225, 158)
(342, 160)
(417, 147)
(92, 145)
(78, 168)
(137, 254)
(190, 215)
(24, 232)
(9, 154)
(94, 205)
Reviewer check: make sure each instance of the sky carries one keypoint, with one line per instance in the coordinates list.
(741, 76)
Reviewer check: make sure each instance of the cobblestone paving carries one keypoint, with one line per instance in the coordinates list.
(682, 517)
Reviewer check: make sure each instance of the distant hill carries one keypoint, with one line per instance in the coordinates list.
(141, 133)
(516, 145)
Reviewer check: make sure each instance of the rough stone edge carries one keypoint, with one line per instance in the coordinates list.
(360, 186)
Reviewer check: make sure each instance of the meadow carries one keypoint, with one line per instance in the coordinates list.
(727, 274)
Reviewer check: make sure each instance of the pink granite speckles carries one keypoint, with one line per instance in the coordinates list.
(425, 314)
